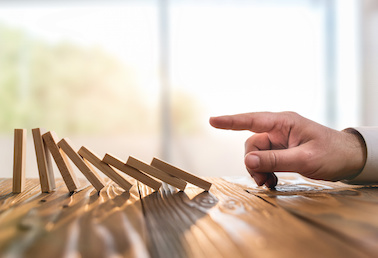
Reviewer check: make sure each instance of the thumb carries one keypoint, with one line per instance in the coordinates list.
(285, 160)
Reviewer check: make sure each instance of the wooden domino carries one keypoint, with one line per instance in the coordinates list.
(177, 172)
(19, 158)
(61, 161)
(92, 176)
(135, 173)
(45, 169)
(105, 168)
(174, 181)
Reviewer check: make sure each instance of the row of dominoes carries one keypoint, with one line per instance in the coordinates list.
(47, 144)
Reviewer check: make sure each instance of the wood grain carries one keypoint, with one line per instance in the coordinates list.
(61, 160)
(229, 222)
(45, 169)
(301, 218)
(19, 159)
(348, 212)
(86, 223)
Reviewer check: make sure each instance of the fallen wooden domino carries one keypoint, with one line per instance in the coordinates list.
(133, 172)
(104, 168)
(157, 173)
(45, 169)
(61, 161)
(19, 157)
(47, 143)
(177, 172)
(66, 145)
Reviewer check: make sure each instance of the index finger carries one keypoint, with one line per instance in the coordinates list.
(258, 122)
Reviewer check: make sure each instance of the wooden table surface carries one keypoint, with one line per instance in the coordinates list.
(301, 218)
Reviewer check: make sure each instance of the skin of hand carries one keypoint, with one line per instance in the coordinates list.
(288, 142)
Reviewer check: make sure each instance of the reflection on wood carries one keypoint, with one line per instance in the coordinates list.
(86, 223)
(234, 219)
(348, 212)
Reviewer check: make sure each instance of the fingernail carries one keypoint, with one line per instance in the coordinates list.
(271, 182)
(252, 161)
(259, 179)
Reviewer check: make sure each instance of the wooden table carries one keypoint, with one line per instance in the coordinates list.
(301, 218)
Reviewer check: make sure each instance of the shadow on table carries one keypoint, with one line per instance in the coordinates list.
(173, 220)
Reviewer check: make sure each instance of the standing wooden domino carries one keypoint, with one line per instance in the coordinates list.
(105, 168)
(177, 172)
(135, 173)
(92, 176)
(45, 169)
(19, 157)
(174, 181)
(61, 161)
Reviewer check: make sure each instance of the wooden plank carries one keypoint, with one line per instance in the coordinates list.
(177, 172)
(61, 161)
(229, 222)
(157, 173)
(277, 227)
(66, 145)
(19, 159)
(6, 185)
(225, 222)
(8, 199)
(135, 173)
(180, 226)
(346, 211)
(87, 223)
(45, 169)
(104, 168)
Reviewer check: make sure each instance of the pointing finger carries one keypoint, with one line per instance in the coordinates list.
(257, 122)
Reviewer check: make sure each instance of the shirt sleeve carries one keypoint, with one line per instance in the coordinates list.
(369, 173)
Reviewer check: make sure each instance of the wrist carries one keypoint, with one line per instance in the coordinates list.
(357, 153)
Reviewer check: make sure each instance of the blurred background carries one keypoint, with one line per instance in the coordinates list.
(143, 77)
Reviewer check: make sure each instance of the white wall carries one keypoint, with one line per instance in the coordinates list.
(369, 51)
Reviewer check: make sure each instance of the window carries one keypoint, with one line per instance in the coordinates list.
(142, 78)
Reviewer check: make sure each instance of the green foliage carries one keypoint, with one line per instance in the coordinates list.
(74, 90)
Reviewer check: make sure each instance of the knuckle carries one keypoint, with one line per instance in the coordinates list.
(290, 113)
(306, 160)
(272, 161)
(252, 142)
(248, 142)
(249, 145)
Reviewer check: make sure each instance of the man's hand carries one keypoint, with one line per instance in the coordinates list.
(288, 142)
